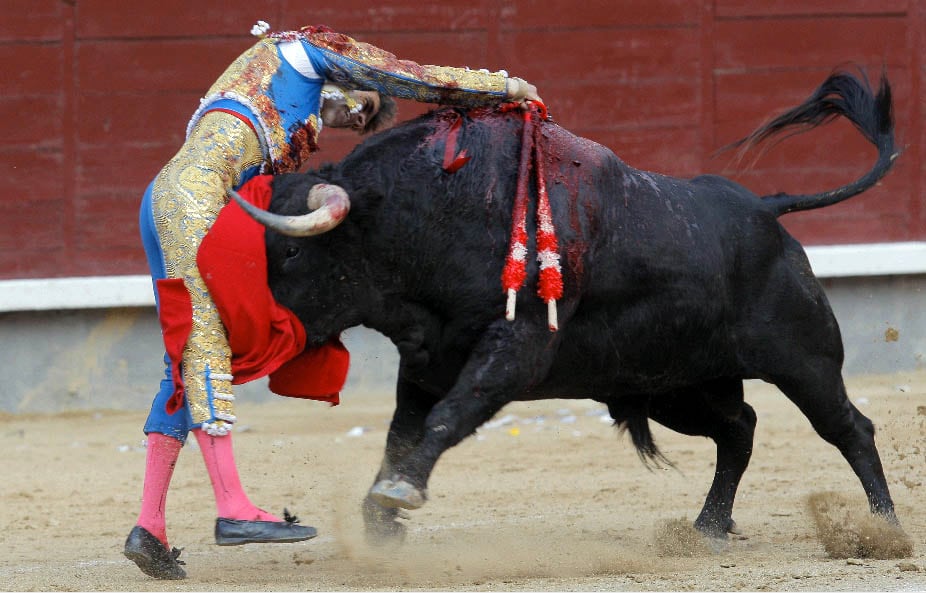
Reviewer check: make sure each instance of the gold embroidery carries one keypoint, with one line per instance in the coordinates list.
(247, 81)
(187, 196)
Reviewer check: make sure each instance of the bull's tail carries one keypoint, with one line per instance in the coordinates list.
(842, 94)
(631, 417)
(642, 439)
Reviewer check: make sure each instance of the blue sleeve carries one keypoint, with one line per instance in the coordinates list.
(360, 65)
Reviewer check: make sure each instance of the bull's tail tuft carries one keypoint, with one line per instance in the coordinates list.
(636, 422)
(846, 95)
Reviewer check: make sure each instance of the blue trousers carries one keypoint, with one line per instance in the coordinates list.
(178, 424)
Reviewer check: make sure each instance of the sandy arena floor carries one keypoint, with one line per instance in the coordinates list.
(546, 497)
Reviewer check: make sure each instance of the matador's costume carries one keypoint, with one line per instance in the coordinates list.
(261, 116)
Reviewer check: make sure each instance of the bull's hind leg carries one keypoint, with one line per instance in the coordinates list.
(817, 388)
(715, 410)
(794, 342)
(405, 432)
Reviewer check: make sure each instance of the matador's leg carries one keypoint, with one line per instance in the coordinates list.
(187, 197)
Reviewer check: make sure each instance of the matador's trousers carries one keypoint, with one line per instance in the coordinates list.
(178, 209)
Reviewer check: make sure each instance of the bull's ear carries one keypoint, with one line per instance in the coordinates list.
(328, 206)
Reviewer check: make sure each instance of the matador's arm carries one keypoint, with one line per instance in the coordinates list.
(355, 64)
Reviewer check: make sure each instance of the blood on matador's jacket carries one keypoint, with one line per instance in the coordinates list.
(265, 337)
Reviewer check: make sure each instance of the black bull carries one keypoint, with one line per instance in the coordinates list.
(675, 291)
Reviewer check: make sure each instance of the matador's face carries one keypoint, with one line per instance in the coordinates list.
(352, 111)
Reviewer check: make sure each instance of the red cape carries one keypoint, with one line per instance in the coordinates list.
(265, 337)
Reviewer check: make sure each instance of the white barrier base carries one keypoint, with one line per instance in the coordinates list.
(98, 292)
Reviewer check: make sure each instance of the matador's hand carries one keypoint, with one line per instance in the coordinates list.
(523, 92)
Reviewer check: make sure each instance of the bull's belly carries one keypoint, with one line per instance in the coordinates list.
(601, 357)
(578, 372)
(615, 365)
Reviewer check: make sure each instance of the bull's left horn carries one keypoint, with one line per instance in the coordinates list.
(329, 205)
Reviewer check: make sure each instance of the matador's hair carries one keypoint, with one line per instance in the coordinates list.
(384, 118)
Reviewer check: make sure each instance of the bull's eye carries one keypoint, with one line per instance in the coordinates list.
(292, 252)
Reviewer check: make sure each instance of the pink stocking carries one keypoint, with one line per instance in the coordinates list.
(230, 500)
(160, 459)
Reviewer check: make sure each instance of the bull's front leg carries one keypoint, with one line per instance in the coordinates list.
(509, 358)
(405, 432)
(714, 409)
(451, 420)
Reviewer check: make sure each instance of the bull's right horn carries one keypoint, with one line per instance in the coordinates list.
(328, 205)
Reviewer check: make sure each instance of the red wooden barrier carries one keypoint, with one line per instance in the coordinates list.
(97, 97)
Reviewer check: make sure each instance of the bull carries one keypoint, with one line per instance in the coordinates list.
(674, 291)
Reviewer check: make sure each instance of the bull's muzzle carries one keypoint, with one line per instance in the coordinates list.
(328, 206)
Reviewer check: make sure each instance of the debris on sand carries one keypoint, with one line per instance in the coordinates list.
(848, 532)
(677, 538)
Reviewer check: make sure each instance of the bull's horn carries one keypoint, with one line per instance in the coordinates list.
(328, 204)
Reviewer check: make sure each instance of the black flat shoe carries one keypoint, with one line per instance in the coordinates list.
(151, 556)
(235, 532)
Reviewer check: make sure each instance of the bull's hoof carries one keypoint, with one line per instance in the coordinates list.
(717, 529)
(397, 494)
(381, 525)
